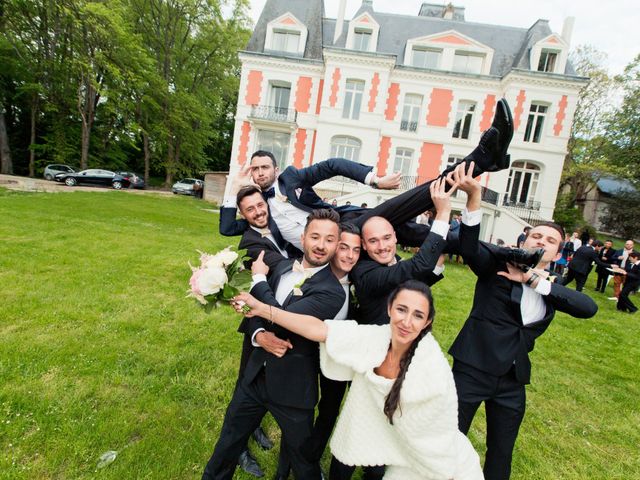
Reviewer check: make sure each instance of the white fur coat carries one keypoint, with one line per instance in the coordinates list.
(424, 441)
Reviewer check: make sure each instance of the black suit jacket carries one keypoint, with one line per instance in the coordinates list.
(632, 278)
(373, 282)
(607, 256)
(255, 243)
(494, 337)
(297, 185)
(583, 260)
(292, 379)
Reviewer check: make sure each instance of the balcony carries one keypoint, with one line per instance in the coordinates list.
(273, 114)
(408, 126)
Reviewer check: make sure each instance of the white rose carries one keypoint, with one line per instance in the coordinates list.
(227, 256)
(211, 280)
(214, 261)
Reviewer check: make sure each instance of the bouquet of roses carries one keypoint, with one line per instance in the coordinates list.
(219, 277)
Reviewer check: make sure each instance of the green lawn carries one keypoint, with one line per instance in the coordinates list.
(99, 350)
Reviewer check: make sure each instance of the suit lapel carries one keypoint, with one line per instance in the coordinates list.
(282, 268)
(289, 189)
(516, 299)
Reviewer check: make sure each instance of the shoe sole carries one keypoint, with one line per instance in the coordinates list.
(504, 106)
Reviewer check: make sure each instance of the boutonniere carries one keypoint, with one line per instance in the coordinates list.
(297, 288)
(353, 299)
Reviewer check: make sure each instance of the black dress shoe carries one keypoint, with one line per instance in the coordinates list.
(249, 464)
(261, 439)
(520, 257)
(491, 153)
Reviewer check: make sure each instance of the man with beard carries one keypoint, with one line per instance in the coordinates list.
(290, 195)
(512, 306)
(284, 383)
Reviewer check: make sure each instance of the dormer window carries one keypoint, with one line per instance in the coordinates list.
(549, 54)
(449, 51)
(548, 59)
(363, 33)
(286, 34)
(361, 39)
(284, 41)
(466, 62)
(426, 58)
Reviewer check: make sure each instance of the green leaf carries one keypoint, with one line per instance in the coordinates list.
(241, 280)
(228, 292)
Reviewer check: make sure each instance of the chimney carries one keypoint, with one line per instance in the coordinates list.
(448, 12)
(339, 20)
(567, 29)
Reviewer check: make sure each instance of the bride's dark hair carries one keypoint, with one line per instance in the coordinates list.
(392, 402)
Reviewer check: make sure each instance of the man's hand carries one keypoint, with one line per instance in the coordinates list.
(516, 275)
(469, 185)
(258, 266)
(441, 198)
(389, 182)
(242, 178)
(272, 344)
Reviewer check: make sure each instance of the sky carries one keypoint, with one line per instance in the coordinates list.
(610, 26)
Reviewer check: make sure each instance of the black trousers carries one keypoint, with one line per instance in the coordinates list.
(580, 279)
(624, 302)
(602, 281)
(331, 394)
(504, 400)
(248, 405)
(340, 471)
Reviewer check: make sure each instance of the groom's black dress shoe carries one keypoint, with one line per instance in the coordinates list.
(522, 258)
(261, 439)
(491, 153)
(249, 464)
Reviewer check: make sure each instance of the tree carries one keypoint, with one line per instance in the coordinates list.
(624, 126)
(588, 147)
(622, 216)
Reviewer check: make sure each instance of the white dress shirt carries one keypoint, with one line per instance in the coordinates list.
(344, 311)
(532, 306)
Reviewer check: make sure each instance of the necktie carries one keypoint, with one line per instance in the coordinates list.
(269, 193)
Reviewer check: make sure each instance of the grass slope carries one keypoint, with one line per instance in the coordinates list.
(99, 350)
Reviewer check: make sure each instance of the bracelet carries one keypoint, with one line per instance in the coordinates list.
(534, 276)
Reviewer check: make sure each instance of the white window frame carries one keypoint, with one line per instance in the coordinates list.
(273, 87)
(522, 172)
(363, 22)
(544, 57)
(286, 23)
(464, 115)
(358, 35)
(468, 55)
(536, 121)
(353, 97)
(344, 146)
(411, 108)
(555, 44)
(405, 158)
(282, 158)
(419, 48)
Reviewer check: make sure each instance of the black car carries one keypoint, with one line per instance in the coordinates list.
(135, 180)
(94, 176)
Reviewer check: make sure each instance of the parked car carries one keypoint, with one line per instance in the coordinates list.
(135, 180)
(50, 171)
(188, 186)
(94, 176)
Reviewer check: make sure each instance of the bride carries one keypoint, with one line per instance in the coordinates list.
(401, 410)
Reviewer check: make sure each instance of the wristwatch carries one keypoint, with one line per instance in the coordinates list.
(532, 279)
(374, 182)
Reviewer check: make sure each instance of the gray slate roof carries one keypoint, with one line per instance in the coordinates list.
(511, 45)
(612, 186)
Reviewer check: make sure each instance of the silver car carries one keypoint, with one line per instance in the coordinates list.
(50, 171)
(187, 186)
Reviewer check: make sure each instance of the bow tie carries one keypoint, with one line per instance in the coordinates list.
(269, 193)
(344, 281)
(264, 232)
(297, 267)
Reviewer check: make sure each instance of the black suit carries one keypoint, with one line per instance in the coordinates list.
(287, 386)
(632, 281)
(373, 281)
(491, 352)
(607, 256)
(581, 265)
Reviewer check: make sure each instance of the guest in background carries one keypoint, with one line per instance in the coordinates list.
(582, 262)
(621, 256)
(607, 256)
(523, 236)
(632, 281)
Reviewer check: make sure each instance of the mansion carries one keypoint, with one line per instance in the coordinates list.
(411, 94)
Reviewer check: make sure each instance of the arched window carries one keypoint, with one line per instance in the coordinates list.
(345, 147)
(522, 184)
